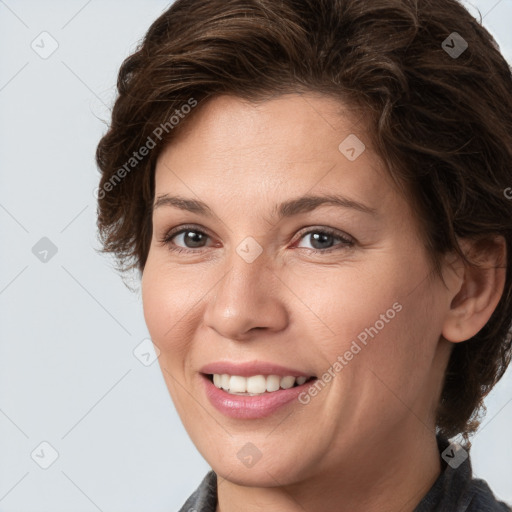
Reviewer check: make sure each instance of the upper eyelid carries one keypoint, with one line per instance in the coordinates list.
(181, 229)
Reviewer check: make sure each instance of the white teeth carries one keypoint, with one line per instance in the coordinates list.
(224, 381)
(273, 382)
(256, 384)
(287, 382)
(237, 384)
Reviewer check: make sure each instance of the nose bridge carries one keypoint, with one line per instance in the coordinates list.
(247, 296)
(249, 266)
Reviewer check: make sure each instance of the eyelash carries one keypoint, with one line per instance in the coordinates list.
(166, 240)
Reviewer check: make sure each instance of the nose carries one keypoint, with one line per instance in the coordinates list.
(248, 298)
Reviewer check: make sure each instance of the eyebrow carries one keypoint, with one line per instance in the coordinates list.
(288, 208)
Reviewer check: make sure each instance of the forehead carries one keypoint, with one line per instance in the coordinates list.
(292, 144)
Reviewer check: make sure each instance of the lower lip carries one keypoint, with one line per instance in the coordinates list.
(251, 407)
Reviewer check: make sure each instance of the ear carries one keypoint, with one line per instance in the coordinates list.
(476, 289)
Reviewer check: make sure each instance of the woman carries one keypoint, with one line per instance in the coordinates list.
(315, 195)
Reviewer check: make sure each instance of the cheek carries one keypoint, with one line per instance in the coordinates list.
(345, 303)
(386, 335)
(170, 299)
(400, 343)
(382, 318)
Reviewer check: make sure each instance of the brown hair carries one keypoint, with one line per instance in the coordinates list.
(442, 123)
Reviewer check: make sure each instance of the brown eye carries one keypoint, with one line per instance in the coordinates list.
(192, 239)
(323, 240)
(185, 239)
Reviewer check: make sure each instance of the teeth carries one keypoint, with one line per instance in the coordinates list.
(287, 382)
(273, 382)
(256, 384)
(237, 384)
(224, 381)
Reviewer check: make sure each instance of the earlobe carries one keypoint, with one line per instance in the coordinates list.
(478, 290)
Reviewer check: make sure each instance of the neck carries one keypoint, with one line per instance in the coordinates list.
(388, 475)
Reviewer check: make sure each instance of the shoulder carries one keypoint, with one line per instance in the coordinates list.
(482, 499)
(204, 498)
(455, 490)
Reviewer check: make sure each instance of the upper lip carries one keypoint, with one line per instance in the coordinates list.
(246, 369)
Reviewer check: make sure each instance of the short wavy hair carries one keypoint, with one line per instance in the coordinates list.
(439, 115)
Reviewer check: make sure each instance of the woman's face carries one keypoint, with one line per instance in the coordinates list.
(269, 285)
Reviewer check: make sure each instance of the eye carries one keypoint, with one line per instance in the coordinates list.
(323, 239)
(189, 239)
(189, 236)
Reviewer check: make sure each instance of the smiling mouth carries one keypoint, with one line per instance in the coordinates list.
(256, 385)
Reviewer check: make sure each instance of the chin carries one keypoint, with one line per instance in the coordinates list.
(260, 475)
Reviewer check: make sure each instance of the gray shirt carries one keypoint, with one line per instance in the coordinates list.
(455, 490)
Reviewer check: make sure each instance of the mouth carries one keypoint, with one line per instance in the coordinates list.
(256, 385)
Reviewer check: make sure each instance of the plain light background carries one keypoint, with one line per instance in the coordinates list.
(69, 326)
